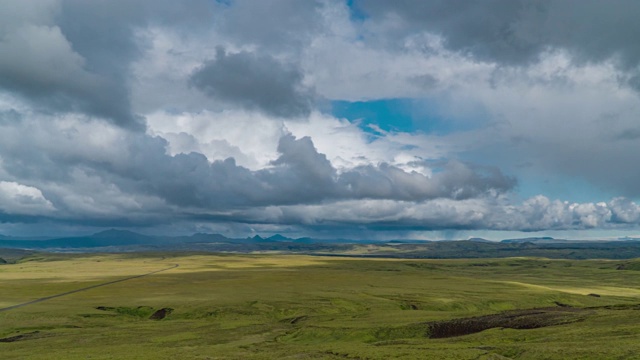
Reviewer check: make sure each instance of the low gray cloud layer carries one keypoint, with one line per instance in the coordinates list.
(535, 214)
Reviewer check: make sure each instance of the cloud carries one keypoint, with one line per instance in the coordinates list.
(104, 32)
(456, 181)
(19, 199)
(220, 135)
(93, 181)
(299, 175)
(42, 65)
(485, 213)
(288, 25)
(220, 90)
(494, 30)
(255, 82)
(624, 211)
(518, 32)
(91, 169)
(72, 56)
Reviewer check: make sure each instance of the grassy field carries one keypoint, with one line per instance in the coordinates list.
(304, 307)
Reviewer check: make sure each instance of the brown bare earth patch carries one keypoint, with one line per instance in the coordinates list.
(514, 319)
(161, 314)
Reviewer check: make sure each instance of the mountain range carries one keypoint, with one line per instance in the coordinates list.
(128, 241)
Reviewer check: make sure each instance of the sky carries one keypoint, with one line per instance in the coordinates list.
(439, 119)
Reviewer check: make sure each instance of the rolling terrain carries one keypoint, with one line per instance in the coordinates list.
(278, 306)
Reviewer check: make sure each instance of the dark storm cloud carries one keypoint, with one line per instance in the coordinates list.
(77, 56)
(70, 169)
(298, 178)
(455, 181)
(493, 29)
(103, 31)
(517, 31)
(255, 82)
(300, 175)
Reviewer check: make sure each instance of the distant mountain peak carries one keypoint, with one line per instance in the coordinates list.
(532, 240)
(479, 239)
(278, 237)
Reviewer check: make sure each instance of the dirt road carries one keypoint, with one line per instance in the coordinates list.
(84, 289)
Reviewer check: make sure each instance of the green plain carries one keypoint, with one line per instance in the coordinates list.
(308, 307)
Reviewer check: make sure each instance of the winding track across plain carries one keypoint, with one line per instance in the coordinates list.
(84, 289)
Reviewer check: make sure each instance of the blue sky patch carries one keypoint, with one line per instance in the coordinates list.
(355, 12)
(401, 115)
(389, 115)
